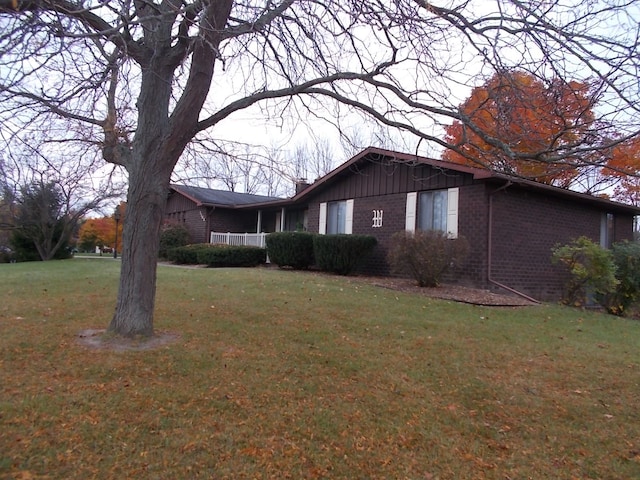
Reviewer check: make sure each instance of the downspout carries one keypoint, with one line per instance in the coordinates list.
(490, 248)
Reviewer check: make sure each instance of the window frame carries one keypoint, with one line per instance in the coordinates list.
(450, 213)
(326, 217)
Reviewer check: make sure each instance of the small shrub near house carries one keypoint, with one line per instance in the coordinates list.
(592, 271)
(232, 256)
(426, 255)
(173, 235)
(341, 254)
(626, 257)
(291, 249)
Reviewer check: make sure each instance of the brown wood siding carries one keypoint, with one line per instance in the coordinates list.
(388, 178)
(201, 221)
(235, 221)
(181, 210)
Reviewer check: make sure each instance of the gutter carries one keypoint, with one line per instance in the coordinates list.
(490, 248)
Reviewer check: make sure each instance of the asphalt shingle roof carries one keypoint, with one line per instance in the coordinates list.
(208, 196)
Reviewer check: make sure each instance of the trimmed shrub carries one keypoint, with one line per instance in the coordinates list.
(426, 255)
(626, 257)
(232, 256)
(341, 254)
(173, 235)
(592, 270)
(291, 249)
(188, 254)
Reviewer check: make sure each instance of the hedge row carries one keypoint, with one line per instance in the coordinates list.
(218, 255)
(339, 254)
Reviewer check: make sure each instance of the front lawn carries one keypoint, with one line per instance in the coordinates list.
(282, 374)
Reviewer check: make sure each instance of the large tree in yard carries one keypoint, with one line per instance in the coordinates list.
(147, 77)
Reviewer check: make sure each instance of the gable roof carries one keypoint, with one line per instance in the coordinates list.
(208, 197)
(478, 174)
(371, 153)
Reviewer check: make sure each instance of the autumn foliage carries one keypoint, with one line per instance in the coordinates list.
(522, 126)
(101, 232)
(624, 166)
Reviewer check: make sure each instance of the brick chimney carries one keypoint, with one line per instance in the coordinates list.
(301, 185)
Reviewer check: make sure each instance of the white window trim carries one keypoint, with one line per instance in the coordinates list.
(348, 221)
(453, 195)
(452, 212)
(322, 226)
(410, 211)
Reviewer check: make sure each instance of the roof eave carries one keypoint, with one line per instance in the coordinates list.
(176, 188)
(564, 192)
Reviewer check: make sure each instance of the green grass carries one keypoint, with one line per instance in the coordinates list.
(296, 375)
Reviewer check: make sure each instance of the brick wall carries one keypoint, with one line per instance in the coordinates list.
(527, 225)
(473, 217)
(393, 220)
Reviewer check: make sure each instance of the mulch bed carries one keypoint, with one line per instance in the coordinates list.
(455, 293)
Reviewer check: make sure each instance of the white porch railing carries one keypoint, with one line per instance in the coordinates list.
(251, 239)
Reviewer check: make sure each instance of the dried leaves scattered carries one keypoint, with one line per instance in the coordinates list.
(285, 375)
(101, 340)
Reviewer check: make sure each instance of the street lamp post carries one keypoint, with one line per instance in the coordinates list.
(116, 216)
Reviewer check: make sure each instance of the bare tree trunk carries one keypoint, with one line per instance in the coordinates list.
(136, 295)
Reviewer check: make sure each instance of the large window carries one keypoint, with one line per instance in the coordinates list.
(432, 210)
(336, 217)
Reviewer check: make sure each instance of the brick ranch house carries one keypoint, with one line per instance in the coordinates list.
(511, 224)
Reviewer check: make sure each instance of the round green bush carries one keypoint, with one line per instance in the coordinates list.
(291, 249)
(173, 236)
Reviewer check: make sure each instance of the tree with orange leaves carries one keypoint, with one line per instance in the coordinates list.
(99, 232)
(623, 166)
(518, 125)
